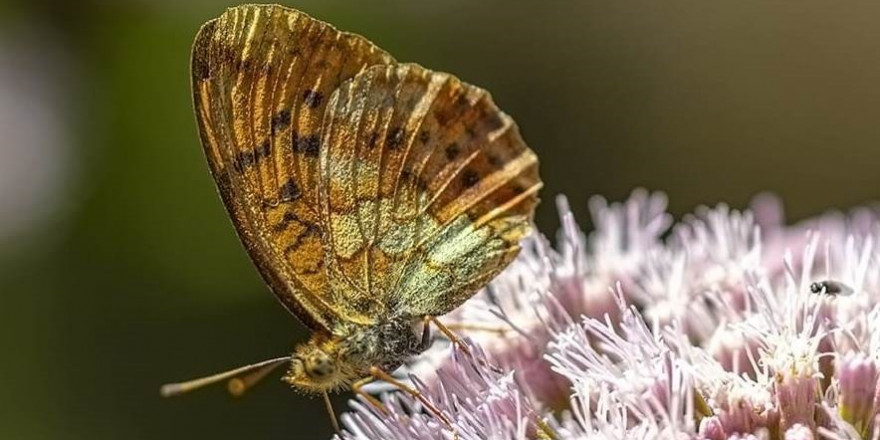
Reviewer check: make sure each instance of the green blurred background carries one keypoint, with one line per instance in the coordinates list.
(119, 269)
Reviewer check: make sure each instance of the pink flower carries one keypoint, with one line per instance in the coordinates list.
(734, 326)
(477, 401)
(857, 398)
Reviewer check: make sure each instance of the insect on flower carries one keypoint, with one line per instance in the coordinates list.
(371, 195)
(831, 287)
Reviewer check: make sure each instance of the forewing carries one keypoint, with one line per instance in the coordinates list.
(261, 78)
(426, 189)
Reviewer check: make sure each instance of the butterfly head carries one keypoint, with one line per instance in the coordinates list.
(317, 367)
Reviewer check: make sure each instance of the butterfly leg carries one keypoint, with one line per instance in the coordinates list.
(457, 341)
(426, 340)
(333, 420)
(449, 334)
(459, 326)
(357, 388)
(379, 374)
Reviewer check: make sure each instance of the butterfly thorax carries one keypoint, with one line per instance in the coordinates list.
(333, 361)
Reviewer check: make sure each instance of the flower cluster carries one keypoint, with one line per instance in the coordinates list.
(726, 325)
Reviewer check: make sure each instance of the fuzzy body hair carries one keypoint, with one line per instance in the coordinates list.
(334, 361)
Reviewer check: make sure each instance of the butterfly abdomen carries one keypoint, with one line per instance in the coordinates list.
(386, 344)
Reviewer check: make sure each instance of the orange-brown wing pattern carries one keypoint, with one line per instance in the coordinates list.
(262, 77)
(426, 189)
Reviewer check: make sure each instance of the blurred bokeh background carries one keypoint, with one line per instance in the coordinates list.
(119, 269)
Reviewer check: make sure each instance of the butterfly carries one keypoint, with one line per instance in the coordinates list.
(370, 194)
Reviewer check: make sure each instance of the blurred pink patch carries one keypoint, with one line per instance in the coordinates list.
(36, 79)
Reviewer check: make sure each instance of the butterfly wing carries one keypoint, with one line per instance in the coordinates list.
(426, 189)
(261, 78)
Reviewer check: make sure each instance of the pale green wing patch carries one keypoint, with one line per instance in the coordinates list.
(426, 188)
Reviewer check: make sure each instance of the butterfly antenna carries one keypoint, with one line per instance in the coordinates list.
(332, 413)
(236, 386)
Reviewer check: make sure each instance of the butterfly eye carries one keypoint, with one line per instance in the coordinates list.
(319, 366)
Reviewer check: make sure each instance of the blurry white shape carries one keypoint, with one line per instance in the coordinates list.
(36, 80)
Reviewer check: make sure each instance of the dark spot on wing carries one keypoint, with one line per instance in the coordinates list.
(224, 181)
(443, 117)
(395, 138)
(373, 140)
(406, 175)
(289, 191)
(243, 160)
(319, 263)
(286, 220)
(424, 136)
(422, 184)
(452, 151)
(248, 158)
(312, 98)
(281, 120)
(297, 242)
(308, 145)
(236, 165)
(201, 70)
(494, 160)
(263, 150)
(494, 122)
(469, 178)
